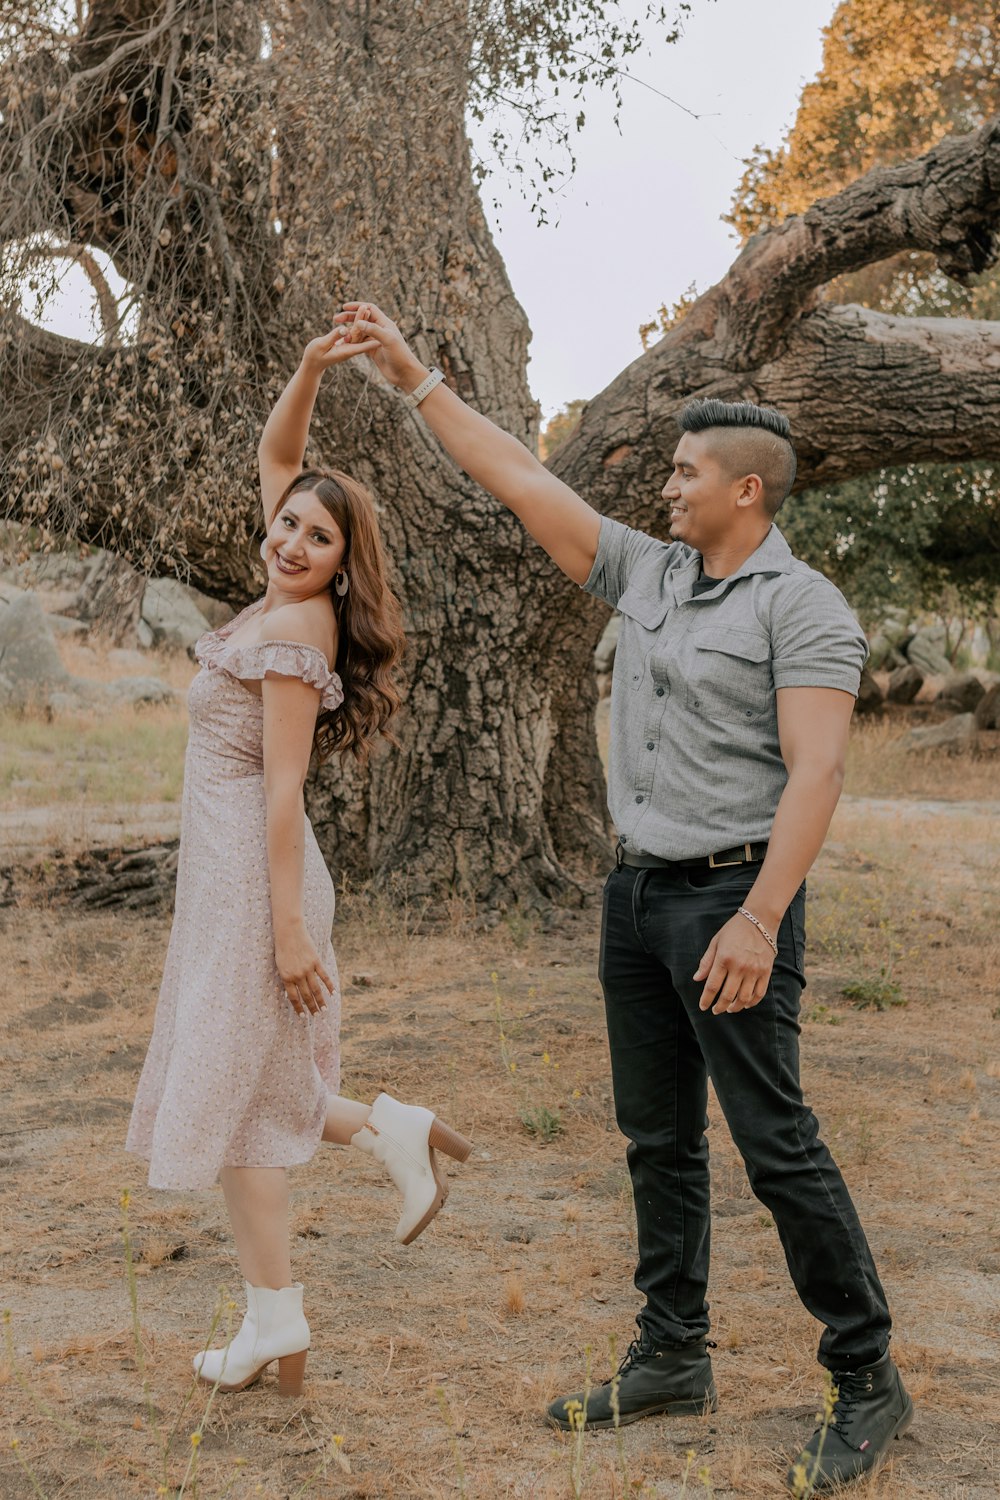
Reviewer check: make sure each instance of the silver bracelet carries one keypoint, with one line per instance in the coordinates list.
(425, 387)
(760, 928)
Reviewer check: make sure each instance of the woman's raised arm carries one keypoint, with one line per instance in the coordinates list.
(556, 516)
(282, 446)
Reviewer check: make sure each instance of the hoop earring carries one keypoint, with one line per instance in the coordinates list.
(263, 550)
(341, 583)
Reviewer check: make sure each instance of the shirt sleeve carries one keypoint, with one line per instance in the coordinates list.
(619, 550)
(816, 641)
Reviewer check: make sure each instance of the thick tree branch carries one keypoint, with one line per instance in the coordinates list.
(862, 390)
(946, 202)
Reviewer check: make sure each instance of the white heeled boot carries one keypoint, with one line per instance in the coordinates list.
(403, 1138)
(274, 1328)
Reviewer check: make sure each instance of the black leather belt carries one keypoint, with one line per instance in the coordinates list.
(740, 854)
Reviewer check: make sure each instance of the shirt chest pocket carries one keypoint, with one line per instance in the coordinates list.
(642, 619)
(730, 676)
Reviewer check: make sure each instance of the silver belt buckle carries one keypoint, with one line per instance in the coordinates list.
(724, 864)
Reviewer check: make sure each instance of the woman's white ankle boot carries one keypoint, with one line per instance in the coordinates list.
(403, 1137)
(274, 1328)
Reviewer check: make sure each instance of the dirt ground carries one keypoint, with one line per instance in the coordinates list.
(431, 1365)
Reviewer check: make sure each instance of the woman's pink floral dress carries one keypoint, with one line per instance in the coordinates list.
(233, 1076)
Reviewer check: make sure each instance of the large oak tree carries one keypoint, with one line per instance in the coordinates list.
(242, 191)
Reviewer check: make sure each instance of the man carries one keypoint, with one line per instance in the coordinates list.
(734, 682)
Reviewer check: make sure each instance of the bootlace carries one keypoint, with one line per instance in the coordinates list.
(638, 1351)
(852, 1386)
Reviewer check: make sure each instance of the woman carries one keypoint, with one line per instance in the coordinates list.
(242, 1073)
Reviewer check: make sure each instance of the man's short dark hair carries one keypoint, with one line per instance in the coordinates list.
(747, 439)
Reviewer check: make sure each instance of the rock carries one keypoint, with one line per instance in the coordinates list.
(604, 654)
(216, 611)
(124, 656)
(987, 715)
(31, 671)
(869, 694)
(140, 690)
(925, 651)
(29, 661)
(63, 625)
(953, 736)
(144, 635)
(904, 684)
(170, 614)
(962, 692)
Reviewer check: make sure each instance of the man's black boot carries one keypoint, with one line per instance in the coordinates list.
(649, 1380)
(871, 1408)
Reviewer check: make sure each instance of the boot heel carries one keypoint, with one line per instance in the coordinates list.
(443, 1138)
(291, 1373)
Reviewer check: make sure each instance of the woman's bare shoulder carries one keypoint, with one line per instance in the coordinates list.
(309, 622)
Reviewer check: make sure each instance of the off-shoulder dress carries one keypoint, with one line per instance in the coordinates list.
(233, 1077)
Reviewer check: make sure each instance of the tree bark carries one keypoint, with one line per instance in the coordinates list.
(337, 165)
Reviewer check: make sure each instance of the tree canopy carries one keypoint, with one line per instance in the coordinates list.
(897, 77)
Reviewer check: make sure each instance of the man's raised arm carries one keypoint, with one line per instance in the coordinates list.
(558, 519)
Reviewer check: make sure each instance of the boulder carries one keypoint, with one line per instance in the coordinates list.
(888, 642)
(904, 684)
(869, 694)
(171, 615)
(987, 714)
(925, 651)
(140, 690)
(31, 671)
(962, 692)
(953, 736)
(29, 662)
(604, 653)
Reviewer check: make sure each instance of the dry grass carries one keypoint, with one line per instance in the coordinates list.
(121, 756)
(432, 1364)
(877, 766)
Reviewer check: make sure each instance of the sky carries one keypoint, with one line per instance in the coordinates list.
(640, 220)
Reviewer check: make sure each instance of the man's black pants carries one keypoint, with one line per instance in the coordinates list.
(657, 924)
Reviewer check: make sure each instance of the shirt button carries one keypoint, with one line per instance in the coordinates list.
(638, 799)
(659, 692)
(649, 744)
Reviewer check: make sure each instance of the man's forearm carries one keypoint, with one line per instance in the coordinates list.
(801, 823)
(489, 455)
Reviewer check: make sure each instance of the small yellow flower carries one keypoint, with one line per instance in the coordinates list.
(15, 1442)
(577, 1094)
(338, 1439)
(125, 1199)
(546, 1058)
(195, 1439)
(513, 1067)
(494, 976)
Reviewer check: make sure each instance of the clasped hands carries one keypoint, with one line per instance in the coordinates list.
(362, 328)
(736, 967)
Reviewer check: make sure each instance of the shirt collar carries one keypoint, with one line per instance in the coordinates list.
(772, 556)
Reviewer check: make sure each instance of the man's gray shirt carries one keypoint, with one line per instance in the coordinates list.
(695, 765)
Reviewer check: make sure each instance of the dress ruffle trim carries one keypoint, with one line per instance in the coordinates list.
(286, 658)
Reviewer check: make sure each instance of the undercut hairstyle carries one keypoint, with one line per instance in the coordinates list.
(747, 439)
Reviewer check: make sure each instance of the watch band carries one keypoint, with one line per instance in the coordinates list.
(425, 387)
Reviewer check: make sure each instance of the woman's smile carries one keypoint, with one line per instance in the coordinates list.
(285, 566)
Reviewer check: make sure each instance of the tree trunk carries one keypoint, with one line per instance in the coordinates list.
(245, 196)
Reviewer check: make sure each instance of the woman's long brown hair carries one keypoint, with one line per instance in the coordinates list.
(370, 632)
